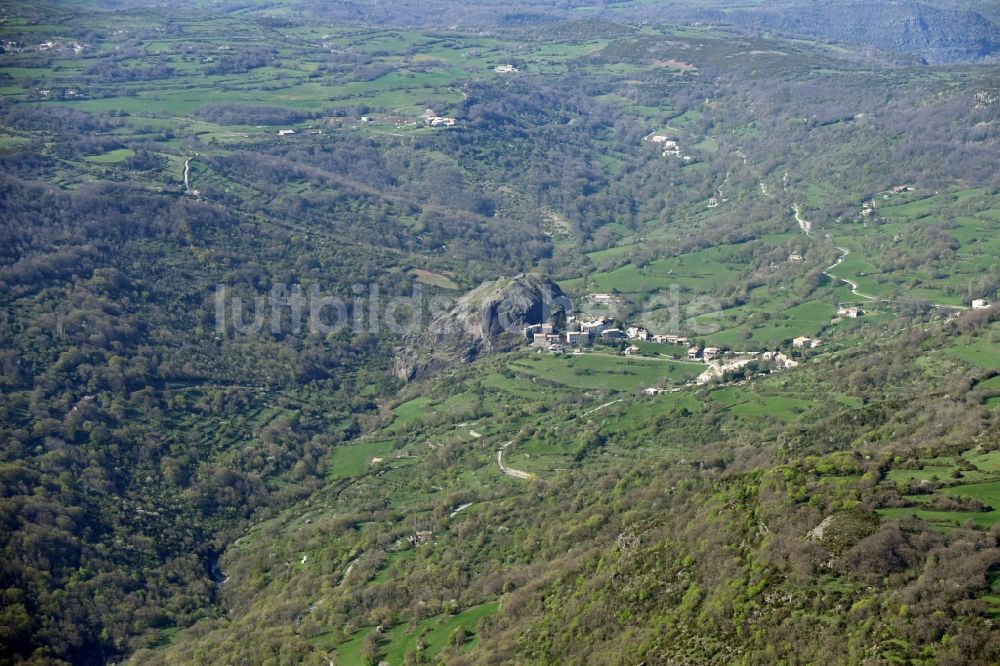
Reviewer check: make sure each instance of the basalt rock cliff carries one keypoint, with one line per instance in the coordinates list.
(489, 318)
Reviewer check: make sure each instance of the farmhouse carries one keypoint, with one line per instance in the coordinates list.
(504, 69)
(980, 304)
(593, 327)
(853, 313)
(632, 350)
(420, 537)
(603, 299)
(711, 353)
(670, 339)
(807, 343)
(693, 353)
(285, 132)
(530, 330)
(797, 258)
(636, 333)
(783, 361)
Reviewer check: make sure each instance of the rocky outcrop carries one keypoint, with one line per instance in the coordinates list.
(489, 318)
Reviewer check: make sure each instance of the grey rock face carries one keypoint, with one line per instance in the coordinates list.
(489, 318)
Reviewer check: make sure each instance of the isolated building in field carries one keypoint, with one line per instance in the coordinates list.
(632, 350)
(980, 304)
(603, 299)
(852, 313)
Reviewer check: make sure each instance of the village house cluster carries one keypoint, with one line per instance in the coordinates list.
(582, 332)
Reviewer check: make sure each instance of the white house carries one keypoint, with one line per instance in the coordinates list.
(980, 304)
(593, 327)
(602, 299)
(636, 333)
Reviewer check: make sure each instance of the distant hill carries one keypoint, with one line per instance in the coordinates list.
(938, 35)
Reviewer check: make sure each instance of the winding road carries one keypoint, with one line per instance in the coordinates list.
(806, 227)
(187, 173)
(513, 473)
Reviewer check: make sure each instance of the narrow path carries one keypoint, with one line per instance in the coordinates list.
(804, 224)
(347, 572)
(600, 407)
(187, 177)
(460, 508)
(513, 473)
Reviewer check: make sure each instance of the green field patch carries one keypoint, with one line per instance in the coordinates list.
(606, 371)
(743, 402)
(410, 411)
(352, 459)
(112, 156)
(516, 386)
(926, 473)
(433, 279)
(848, 400)
(435, 632)
(982, 353)
(987, 462)
(983, 519)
